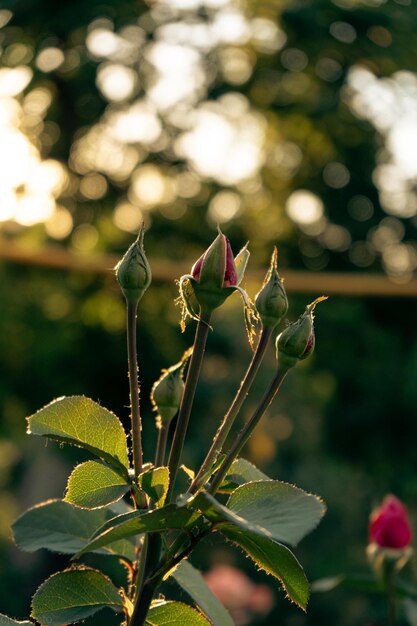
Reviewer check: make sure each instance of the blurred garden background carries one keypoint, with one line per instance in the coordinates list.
(285, 122)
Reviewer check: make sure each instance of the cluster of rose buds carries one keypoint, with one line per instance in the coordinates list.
(213, 278)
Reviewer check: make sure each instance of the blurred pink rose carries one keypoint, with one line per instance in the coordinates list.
(243, 598)
(389, 525)
(261, 600)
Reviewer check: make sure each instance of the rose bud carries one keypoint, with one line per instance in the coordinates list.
(133, 272)
(213, 278)
(389, 525)
(297, 341)
(167, 391)
(271, 301)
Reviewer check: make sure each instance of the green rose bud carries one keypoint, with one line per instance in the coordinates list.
(271, 301)
(167, 391)
(297, 341)
(133, 272)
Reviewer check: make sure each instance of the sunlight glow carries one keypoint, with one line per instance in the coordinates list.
(224, 207)
(50, 59)
(226, 148)
(304, 207)
(179, 74)
(102, 42)
(127, 217)
(5, 17)
(59, 225)
(136, 124)
(116, 82)
(91, 153)
(14, 80)
(28, 184)
(390, 104)
(151, 188)
(231, 26)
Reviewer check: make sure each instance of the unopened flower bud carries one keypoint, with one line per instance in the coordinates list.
(271, 301)
(214, 276)
(389, 525)
(390, 535)
(167, 391)
(297, 341)
(216, 268)
(133, 272)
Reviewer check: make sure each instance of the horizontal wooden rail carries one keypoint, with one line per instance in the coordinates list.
(296, 281)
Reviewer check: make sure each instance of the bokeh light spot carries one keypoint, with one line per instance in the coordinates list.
(50, 59)
(304, 207)
(14, 80)
(127, 217)
(60, 223)
(224, 206)
(116, 82)
(84, 238)
(336, 175)
(93, 186)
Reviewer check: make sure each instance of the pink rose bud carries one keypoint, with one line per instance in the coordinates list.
(389, 525)
(217, 265)
(214, 277)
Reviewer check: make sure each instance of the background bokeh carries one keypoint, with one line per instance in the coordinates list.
(288, 123)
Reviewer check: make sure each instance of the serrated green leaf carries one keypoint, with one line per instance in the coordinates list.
(95, 484)
(241, 472)
(7, 621)
(220, 514)
(193, 583)
(284, 511)
(170, 517)
(155, 483)
(60, 527)
(72, 595)
(275, 559)
(82, 422)
(175, 614)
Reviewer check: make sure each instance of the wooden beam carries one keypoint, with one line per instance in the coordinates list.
(359, 284)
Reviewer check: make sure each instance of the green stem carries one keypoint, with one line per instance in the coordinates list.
(152, 583)
(232, 413)
(132, 308)
(187, 400)
(248, 429)
(391, 599)
(140, 578)
(142, 604)
(151, 543)
(161, 445)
